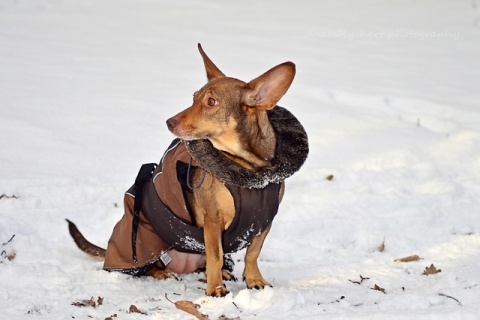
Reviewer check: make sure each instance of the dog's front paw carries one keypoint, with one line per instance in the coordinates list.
(218, 291)
(228, 276)
(258, 283)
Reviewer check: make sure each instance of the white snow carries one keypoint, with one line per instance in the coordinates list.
(389, 93)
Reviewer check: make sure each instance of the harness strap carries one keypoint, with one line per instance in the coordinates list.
(144, 175)
(177, 233)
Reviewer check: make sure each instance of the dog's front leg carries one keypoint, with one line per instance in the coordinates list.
(252, 276)
(214, 255)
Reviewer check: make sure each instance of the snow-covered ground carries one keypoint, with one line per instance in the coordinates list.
(389, 93)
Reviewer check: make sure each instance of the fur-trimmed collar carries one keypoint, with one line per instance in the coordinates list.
(290, 153)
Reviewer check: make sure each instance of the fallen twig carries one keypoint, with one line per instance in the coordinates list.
(450, 297)
(3, 195)
(9, 240)
(361, 280)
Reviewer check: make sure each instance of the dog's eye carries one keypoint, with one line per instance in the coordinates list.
(211, 102)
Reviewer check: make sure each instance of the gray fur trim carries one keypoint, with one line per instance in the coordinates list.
(290, 154)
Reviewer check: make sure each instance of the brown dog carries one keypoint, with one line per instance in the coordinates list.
(242, 150)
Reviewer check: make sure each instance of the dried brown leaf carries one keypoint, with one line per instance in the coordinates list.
(9, 257)
(408, 259)
(100, 301)
(111, 317)
(330, 177)
(222, 317)
(381, 247)
(431, 270)
(4, 254)
(133, 309)
(377, 288)
(191, 308)
(85, 303)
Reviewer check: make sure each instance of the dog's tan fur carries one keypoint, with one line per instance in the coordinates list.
(232, 115)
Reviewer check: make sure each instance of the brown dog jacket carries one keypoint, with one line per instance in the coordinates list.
(165, 221)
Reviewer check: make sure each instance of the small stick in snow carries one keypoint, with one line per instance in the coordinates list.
(450, 297)
(8, 197)
(361, 280)
(10, 240)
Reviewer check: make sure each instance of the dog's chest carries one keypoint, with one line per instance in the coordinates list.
(249, 211)
(243, 212)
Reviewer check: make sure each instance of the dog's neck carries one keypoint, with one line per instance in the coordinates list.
(263, 145)
(253, 144)
(290, 153)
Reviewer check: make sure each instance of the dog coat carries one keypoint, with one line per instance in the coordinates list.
(165, 222)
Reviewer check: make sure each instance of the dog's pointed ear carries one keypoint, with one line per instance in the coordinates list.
(212, 71)
(265, 91)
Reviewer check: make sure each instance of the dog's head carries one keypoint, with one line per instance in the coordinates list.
(223, 106)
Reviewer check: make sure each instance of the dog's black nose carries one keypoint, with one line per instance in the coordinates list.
(172, 123)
